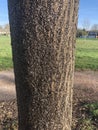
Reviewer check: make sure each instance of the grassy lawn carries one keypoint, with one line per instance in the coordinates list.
(86, 54)
(5, 53)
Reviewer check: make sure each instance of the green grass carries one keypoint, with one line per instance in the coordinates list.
(87, 54)
(92, 108)
(5, 53)
(89, 122)
(86, 124)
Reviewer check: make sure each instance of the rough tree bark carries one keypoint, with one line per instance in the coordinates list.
(43, 41)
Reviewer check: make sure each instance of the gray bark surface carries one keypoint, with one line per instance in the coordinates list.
(43, 41)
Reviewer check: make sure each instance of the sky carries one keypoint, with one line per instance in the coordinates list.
(88, 11)
(3, 12)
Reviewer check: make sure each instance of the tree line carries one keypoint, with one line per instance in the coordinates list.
(85, 30)
(5, 30)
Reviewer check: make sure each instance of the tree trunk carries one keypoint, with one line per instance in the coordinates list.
(43, 41)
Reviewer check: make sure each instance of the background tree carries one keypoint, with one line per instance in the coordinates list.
(1, 28)
(86, 24)
(81, 32)
(94, 27)
(43, 39)
(7, 29)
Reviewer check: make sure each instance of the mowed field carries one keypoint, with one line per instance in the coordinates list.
(86, 54)
(5, 53)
